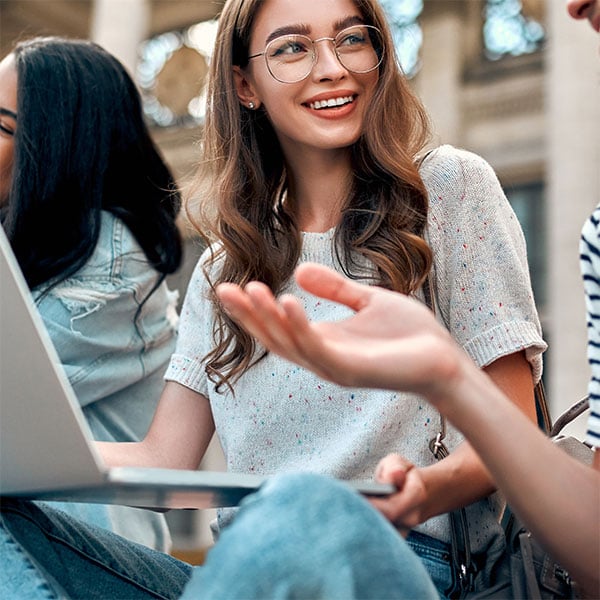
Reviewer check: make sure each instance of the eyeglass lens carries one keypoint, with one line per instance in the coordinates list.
(290, 58)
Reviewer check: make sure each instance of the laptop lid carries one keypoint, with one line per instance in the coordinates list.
(45, 443)
(43, 433)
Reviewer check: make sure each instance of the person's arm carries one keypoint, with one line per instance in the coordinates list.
(461, 478)
(178, 436)
(394, 342)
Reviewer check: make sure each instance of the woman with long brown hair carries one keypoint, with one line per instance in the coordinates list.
(315, 150)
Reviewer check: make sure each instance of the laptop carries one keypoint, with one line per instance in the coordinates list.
(46, 452)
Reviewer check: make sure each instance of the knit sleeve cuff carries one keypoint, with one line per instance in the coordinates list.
(187, 372)
(506, 339)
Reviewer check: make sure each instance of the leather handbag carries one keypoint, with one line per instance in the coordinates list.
(524, 570)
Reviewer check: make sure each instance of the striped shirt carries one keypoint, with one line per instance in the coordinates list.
(590, 269)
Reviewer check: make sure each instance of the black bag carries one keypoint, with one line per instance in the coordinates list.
(522, 569)
(525, 569)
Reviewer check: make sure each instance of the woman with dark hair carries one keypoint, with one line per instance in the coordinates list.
(89, 208)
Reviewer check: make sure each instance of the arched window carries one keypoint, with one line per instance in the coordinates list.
(408, 37)
(507, 31)
(171, 73)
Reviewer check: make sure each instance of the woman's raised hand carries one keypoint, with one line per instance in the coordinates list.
(391, 342)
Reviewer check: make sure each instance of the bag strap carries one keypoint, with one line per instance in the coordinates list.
(533, 589)
(463, 566)
(569, 415)
(542, 411)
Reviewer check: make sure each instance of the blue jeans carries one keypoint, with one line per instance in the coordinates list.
(435, 555)
(300, 536)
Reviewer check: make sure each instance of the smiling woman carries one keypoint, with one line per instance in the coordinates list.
(316, 144)
(328, 163)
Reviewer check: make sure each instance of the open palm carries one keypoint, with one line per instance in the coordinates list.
(391, 342)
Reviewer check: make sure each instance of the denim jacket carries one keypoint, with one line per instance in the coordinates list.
(114, 341)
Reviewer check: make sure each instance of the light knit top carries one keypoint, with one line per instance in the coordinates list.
(590, 268)
(284, 418)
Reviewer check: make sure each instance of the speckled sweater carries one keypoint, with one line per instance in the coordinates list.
(284, 418)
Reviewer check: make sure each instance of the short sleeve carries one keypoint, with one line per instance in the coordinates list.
(194, 339)
(482, 278)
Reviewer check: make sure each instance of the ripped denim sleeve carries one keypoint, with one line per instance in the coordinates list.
(104, 340)
(83, 299)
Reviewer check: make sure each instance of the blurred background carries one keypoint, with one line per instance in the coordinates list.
(515, 81)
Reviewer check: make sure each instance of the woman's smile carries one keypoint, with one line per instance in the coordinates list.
(332, 105)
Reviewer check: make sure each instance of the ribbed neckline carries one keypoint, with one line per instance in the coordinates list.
(317, 246)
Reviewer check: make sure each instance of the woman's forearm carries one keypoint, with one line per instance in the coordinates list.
(456, 481)
(557, 497)
(178, 436)
(393, 342)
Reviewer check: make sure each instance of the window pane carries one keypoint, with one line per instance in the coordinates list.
(408, 37)
(506, 31)
(170, 71)
(528, 203)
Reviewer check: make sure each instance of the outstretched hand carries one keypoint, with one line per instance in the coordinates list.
(391, 342)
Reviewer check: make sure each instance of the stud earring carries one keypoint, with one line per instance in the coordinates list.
(251, 105)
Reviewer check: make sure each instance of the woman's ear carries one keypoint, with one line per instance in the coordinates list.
(244, 89)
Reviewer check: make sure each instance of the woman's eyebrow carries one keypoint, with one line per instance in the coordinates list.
(348, 22)
(298, 29)
(304, 29)
(8, 113)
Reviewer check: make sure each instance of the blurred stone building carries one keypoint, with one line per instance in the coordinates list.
(532, 111)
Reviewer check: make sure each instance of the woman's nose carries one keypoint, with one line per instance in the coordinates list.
(327, 65)
(579, 9)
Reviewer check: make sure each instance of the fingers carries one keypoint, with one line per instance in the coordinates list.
(241, 305)
(281, 325)
(280, 333)
(403, 508)
(327, 283)
(393, 469)
(267, 319)
(237, 303)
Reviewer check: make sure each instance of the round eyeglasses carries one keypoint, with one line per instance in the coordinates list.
(291, 58)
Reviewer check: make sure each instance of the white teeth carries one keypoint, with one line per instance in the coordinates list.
(319, 104)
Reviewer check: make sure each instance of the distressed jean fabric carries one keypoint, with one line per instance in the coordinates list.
(114, 336)
(111, 333)
(300, 536)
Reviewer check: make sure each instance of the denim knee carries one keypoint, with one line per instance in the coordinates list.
(307, 536)
(75, 559)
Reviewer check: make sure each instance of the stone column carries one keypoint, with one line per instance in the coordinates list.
(120, 26)
(573, 179)
(439, 83)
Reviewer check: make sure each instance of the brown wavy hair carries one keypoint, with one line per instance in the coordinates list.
(237, 199)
